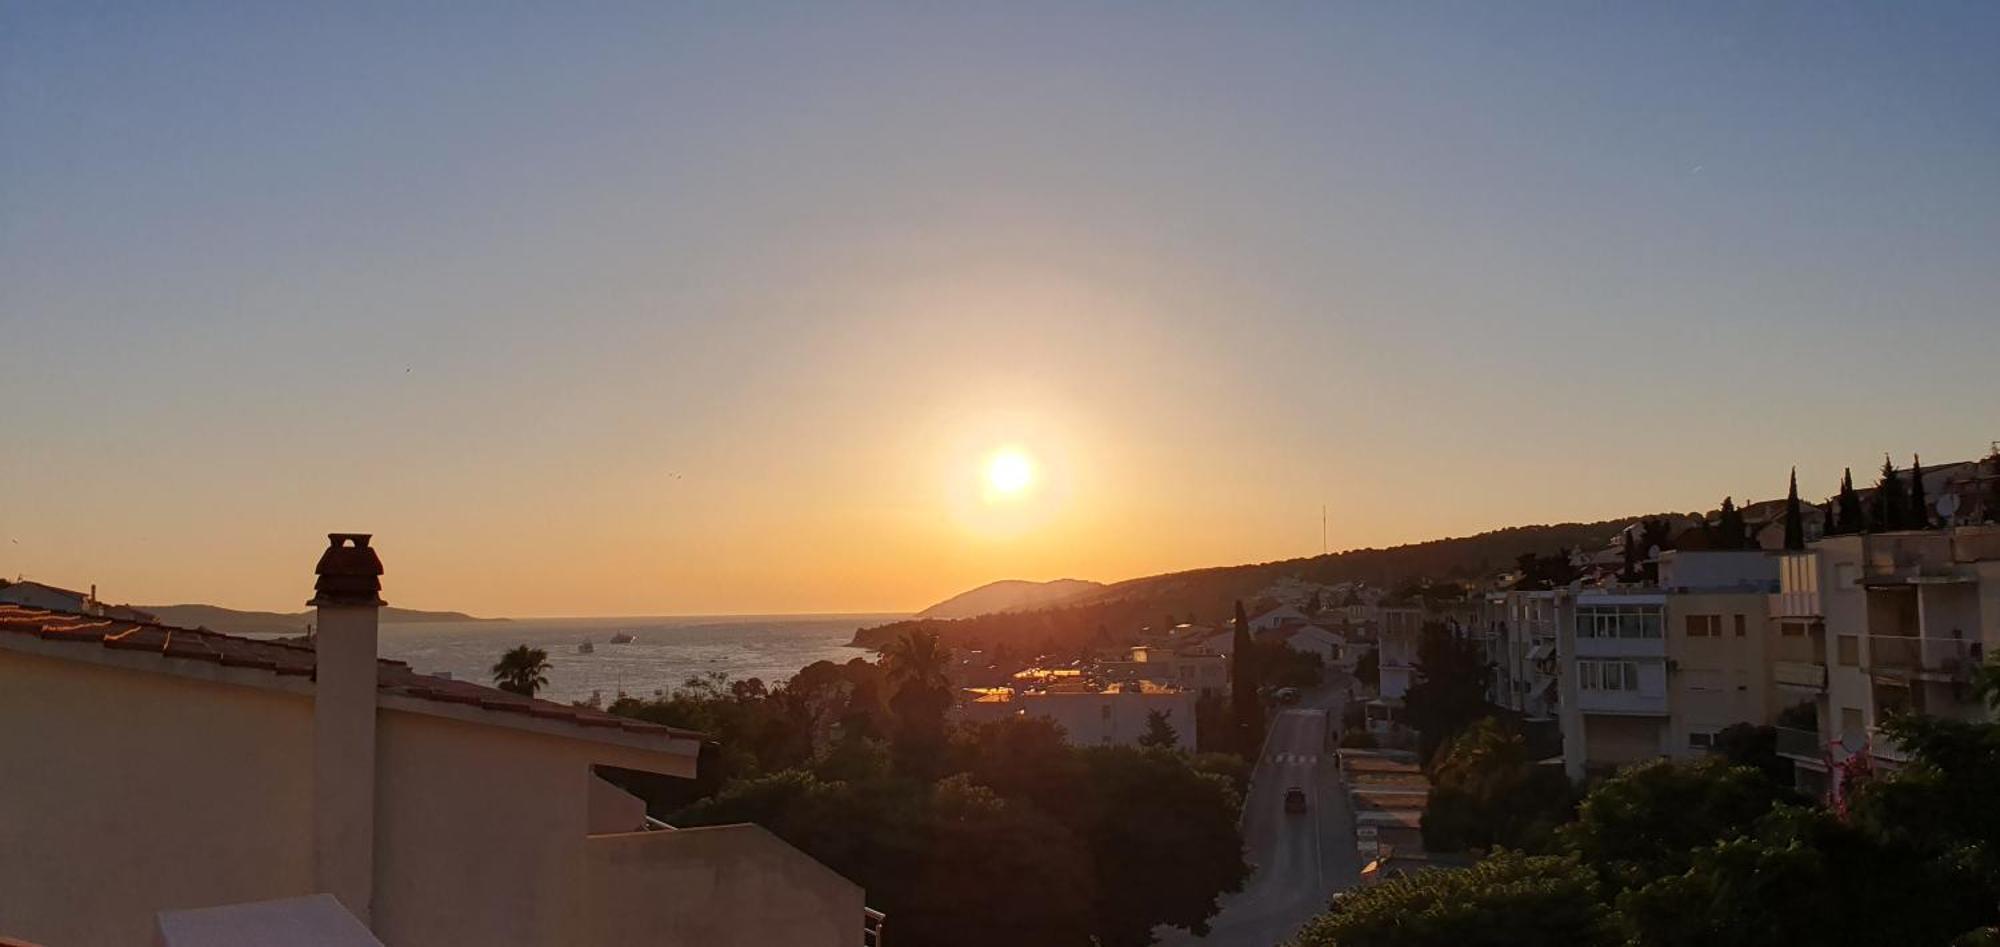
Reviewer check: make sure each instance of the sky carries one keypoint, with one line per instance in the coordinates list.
(694, 309)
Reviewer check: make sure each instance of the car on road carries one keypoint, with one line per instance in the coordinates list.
(1288, 695)
(1295, 800)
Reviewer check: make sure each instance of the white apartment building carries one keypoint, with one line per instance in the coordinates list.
(1651, 671)
(1882, 623)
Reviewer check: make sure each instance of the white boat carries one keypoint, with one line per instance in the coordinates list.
(585, 648)
(623, 637)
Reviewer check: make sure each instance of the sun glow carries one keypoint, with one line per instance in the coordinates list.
(1010, 472)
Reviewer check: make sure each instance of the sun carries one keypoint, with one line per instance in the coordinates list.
(1010, 472)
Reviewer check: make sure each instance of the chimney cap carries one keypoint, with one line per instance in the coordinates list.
(349, 572)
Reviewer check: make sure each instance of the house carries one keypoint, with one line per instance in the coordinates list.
(1312, 639)
(1089, 714)
(1284, 616)
(40, 595)
(150, 768)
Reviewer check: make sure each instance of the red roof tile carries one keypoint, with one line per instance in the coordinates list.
(291, 658)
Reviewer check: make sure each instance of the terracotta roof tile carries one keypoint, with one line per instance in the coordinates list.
(292, 659)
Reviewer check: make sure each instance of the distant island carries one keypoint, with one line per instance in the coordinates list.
(234, 622)
(1008, 595)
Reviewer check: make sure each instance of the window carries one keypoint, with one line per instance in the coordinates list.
(1850, 651)
(1701, 741)
(1793, 629)
(1618, 621)
(1850, 721)
(1742, 625)
(1704, 626)
(1608, 675)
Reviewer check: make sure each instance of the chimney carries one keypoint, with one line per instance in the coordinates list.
(344, 676)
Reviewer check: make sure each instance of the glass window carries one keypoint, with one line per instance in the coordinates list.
(1704, 626)
(1742, 625)
(1850, 651)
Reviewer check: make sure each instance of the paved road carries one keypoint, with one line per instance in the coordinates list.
(1299, 860)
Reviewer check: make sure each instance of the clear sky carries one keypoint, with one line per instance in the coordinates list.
(652, 310)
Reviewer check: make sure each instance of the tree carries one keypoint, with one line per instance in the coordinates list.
(1368, 670)
(1892, 502)
(1853, 517)
(1159, 733)
(1505, 900)
(522, 670)
(1920, 505)
(1730, 531)
(1646, 822)
(1313, 604)
(1487, 791)
(1246, 711)
(1142, 810)
(1795, 516)
(1756, 747)
(1803, 877)
(917, 668)
(1449, 693)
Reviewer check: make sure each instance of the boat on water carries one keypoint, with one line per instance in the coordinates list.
(623, 637)
(585, 648)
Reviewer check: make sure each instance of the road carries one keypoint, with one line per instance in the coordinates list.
(1299, 859)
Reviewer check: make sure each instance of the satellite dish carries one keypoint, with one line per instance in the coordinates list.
(1947, 505)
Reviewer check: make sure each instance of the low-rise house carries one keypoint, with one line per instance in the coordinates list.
(1090, 715)
(146, 768)
(42, 595)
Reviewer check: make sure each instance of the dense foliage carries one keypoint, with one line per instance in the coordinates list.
(1709, 852)
(1507, 899)
(995, 833)
(1449, 693)
(1487, 791)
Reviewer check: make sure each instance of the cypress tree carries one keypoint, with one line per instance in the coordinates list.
(1733, 532)
(1892, 503)
(1246, 712)
(1920, 506)
(1853, 519)
(1795, 516)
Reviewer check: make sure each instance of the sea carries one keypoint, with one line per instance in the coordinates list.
(664, 652)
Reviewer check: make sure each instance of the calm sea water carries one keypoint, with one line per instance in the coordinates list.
(665, 653)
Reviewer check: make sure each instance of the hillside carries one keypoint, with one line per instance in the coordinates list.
(234, 622)
(1210, 594)
(1009, 595)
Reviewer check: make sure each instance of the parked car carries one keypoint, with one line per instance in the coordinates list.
(1288, 695)
(1295, 800)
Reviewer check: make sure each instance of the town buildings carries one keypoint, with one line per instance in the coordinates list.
(149, 768)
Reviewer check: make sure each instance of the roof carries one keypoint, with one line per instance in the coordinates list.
(289, 659)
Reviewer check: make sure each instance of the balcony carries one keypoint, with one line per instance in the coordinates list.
(1793, 604)
(1908, 657)
(1801, 675)
(1636, 703)
(1884, 747)
(1903, 558)
(1803, 745)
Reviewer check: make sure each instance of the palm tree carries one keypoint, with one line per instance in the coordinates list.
(917, 658)
(522, 670)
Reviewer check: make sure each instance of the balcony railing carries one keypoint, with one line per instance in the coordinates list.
(1884, 747)
(1900, 556)
(1949, 659)
(1800, 744)
(871, 927)
(1803, 674)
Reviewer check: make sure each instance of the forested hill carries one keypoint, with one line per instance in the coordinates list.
(1209, 595)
